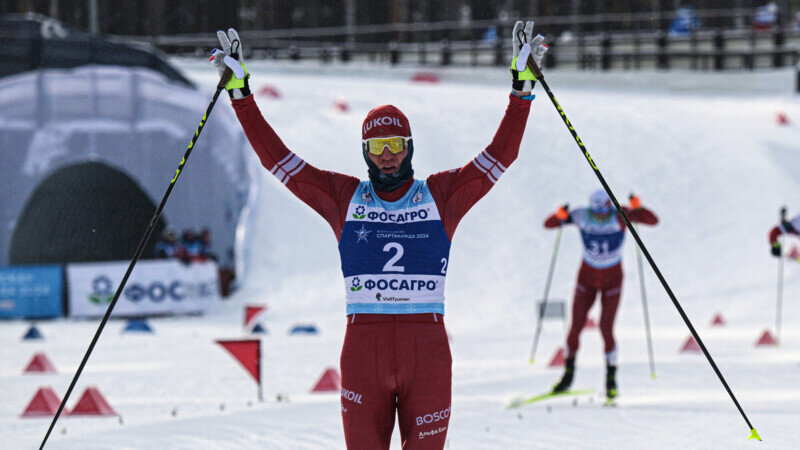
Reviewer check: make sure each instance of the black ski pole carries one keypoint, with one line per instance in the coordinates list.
(779, 306)
(220, 86)
(538, 73)
(546, 294)
(645, 312)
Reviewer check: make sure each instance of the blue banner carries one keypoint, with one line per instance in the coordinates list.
(31, 291)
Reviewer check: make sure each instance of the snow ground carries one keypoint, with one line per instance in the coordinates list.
(702, 150)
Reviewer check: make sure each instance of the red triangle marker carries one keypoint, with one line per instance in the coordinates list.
(690, 345)
(766, 339)
(341, 105)
(269, 91)
(39, 364)
(717, 320)
(248, 353)
(92, 403)
(328, 382)
(558, 359)
(425, 77)
(590, 323)
(251, 311)
(44, 403)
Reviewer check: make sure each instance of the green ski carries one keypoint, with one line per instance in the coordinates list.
(516, 403)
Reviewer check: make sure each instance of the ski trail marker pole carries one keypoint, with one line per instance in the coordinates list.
(538, 73)
(779, 306)
(646, 313)
(151, 226)
(546, 294)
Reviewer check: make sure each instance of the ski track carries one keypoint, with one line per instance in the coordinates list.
(709, 161)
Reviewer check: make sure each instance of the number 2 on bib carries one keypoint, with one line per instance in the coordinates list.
(389, 266)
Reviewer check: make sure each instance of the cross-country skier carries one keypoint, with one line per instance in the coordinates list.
(791, 227)
(603, 233)
(394, 235)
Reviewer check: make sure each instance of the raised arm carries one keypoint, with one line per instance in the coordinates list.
(456, 191)
(328, 193)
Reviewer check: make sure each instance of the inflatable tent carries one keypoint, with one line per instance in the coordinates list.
(88, 153)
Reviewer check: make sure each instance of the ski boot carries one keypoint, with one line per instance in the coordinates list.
(611, 384)
(566, 380)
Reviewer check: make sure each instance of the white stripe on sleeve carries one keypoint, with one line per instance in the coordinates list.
(489, 165)
(288, 167)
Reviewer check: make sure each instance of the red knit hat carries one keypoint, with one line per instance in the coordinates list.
(385, 120)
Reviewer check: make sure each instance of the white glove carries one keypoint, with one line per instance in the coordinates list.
(523, 41)
(231, 56)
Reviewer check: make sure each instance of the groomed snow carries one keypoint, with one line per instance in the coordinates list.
(702, 150)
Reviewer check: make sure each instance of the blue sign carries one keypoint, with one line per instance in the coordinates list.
(31, 291)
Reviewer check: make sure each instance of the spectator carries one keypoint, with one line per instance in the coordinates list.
(685, 22)
(205, 246)
(191, 245)
(168, 246)
(765, 17)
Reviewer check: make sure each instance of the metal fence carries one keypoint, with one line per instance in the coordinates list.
(602, 42)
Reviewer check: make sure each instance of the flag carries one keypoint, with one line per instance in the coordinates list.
(250, 311)
(248, 353)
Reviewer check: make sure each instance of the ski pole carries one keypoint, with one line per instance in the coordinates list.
(546, 294)
(220, 86)
(646, 313)
(538, 73)
(779, 306)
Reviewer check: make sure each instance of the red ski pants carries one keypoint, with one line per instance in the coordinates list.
(591, 281)
(395, 364)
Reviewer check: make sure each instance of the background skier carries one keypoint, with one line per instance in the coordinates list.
(602, 233)
(791, 227)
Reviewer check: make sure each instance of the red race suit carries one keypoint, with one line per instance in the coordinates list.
(601, 270)
(391, 362)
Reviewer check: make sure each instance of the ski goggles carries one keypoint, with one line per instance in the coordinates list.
(395, 144)
(601, 209)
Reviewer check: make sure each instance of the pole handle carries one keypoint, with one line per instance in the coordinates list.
(537, 72)
(226, 76)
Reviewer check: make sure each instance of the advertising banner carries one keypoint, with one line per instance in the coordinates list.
(31, 291)
(155, 287)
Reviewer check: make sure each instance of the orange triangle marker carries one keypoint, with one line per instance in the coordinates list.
(558, 359)
(766, 339)
(328, 382)
(717, 320)
(590, 323)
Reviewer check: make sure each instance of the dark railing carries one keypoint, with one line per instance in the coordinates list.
(599, 42)
(703, 50)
